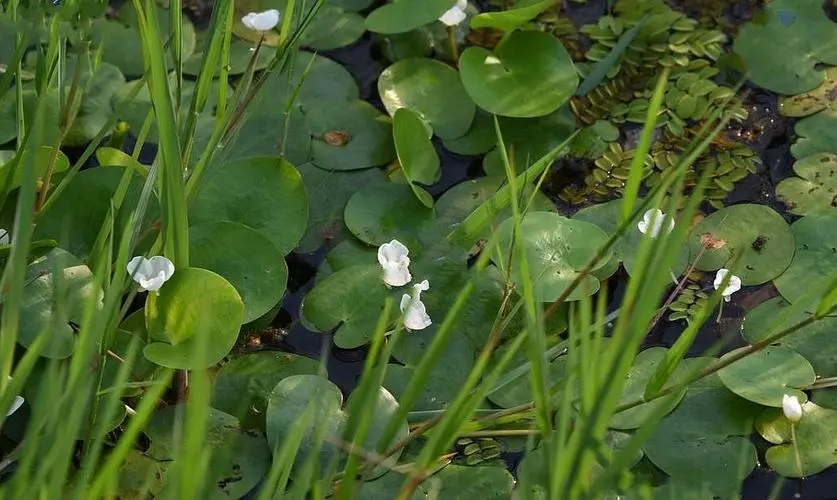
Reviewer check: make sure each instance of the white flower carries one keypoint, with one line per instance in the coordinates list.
(15, 405)
(261, 21)
(415, 317)
(393, 259)
(653, 221)
(150, 273)
(5, 239)
(733, 286)
(791, 408)
(455, 14)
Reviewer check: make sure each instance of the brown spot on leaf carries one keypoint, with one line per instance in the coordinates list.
(710, 242)
(336, 138)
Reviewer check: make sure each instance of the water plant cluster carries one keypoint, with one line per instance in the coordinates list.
(594, 310)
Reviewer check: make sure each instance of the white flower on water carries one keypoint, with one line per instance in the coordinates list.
(733, 286)
(415, 314)
(261, 21)
(791, 408)
(455, 14)
(653, 221)
(5, 239)
(18, 402)
(394, 260)
(150, 273)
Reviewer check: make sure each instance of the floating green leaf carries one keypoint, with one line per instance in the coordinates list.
(403, 16)
(797, 35)
(416, 154)
(766, 375)
(479, 139)
(815, 190)
(758, 232)
(530, 74)
(242, 386)
(265, 194)
(39, 312)
(432, 90)
(644, 367)
(379, 213)
(458, 482)
(556, 250)
(815, 259)
(194, 303)
(515, 17)
(245, 258)
(815, 440)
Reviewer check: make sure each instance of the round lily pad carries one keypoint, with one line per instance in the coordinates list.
(194, 307)
(333, 27)
(242, 386)
(382, 212)
(416, 153)
(401, 16)
(238, 460)
(433, 90)
(245, 258)
(76, 225)
(514, 17)
(817, 342)
(816, 440)
(350, 300)
(757, 231)
(815, 258)
(348, 135)
(459, 482)
(606, 216)
(705, 440)
(815, 190)
(240, 54)
(519, 391)
(265, 194)
(530, 74)
(766, 375)
(644, 367)
(328, 193)
(479, 139)
(556, 248)
(39, 315)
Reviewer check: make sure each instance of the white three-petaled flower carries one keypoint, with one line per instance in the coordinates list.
(394, 260)
(733, 286)
(415, 314)
(15, 405)
(150, 273)
(791, 408)
(261, 21)
(652, 222)
(4, 237)
(455, 14)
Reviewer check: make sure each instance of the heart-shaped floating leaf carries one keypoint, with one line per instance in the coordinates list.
(388, 487)
(196, 308)
(313, 396)
(758, 232)
(606, 216)
(814, 439)
(519, 391)
(814, 261)
(416, 154)
(556, 248)
(402, 16)
(349, 135)
(766, 375)
(817, 342)
(379, 213)
(334, 25)
(516, 16)
(459, 482)
(328, 193)
(242, 386)
(265, 194)
(818, 112)
(237, 462)
(240, 54)
(245, 258)
(704, 440)
(797, 35)
(644, 367)
(815, 190)
(350, 299)
(76, 225)
(43, 158)
(479, 139)
(432, 90)
(530, 74)
(446, 376)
